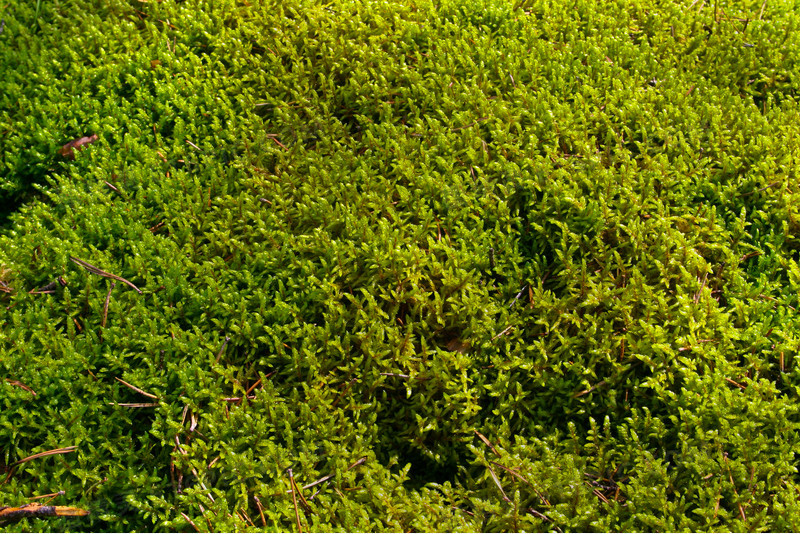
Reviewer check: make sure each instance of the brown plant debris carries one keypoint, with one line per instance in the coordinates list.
(12, 513)
(68, 150)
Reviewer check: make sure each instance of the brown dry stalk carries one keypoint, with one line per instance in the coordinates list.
(63, 450)
(292, 485)
(92, 269)
(137, 390)
(497, 483)
(105, 305)
(260, 510)
(186, 517)
(49, 496)
(20, 385)
(487, 442)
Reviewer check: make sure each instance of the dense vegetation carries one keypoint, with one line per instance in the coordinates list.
(400, 265)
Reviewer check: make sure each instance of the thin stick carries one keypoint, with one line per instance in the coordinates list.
(294, 501)
(497, 483)
(699, 291)
(44, 290)
(50, 496)
(587, 391)
(222, 348)
(208, 521)
(515, 474)
(105, 305)
(63, 450)
(20, 385)
(186, 517)
(737, 384)
(137, 390)
(512, 472)
(504, 332)
(246, 517)
(279, 143)
(303, 501)
(326, 478)
(398, 375)
(358, 462)
(487, 442)
(260, 510)
(254, 386)
(238, 399)
(92, 269)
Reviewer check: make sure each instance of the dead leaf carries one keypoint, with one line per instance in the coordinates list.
(68, 151)
(457, 345)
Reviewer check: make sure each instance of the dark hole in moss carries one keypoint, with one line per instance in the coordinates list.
(425, 470)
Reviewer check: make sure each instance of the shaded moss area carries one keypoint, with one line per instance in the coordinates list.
(434, 266)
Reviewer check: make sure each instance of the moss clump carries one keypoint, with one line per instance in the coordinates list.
(427, 265)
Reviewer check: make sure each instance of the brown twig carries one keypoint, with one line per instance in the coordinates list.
(186, 517)
(10, 513)
(107, 302)
(49, 496)
(193, 145)
(222, 348)
(292, 485)
(737, 384)
(303, 502)
(254, 386)
(587, 391)
(238, 399)
(137, 390)
(260, 510)
(514, 473)
(497, 483)
(20, 385)
(327, 477)
(504, 332)
(487, 442)
(45, 289)
(92, 269)
(63, 450)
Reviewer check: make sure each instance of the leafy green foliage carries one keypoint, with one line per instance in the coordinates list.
(404, 265)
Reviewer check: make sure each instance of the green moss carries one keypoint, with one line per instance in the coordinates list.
(457, 265)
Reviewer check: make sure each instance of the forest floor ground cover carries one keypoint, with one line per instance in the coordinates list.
(457, 265)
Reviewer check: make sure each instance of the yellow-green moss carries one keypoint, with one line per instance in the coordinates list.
(458, 265)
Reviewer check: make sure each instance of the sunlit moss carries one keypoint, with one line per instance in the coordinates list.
(463, 266)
